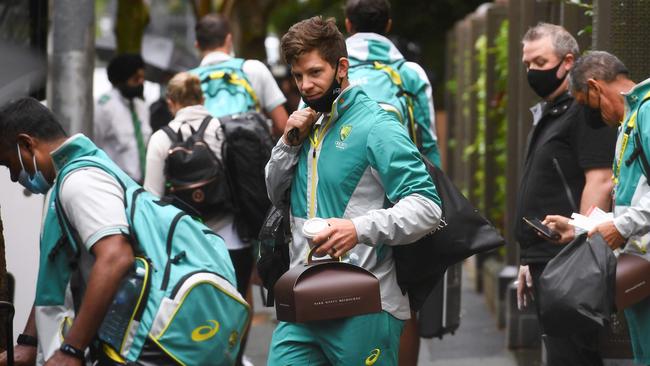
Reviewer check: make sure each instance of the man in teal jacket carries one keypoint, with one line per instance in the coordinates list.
(88, 245)
(378, 66)
(346, 160)
(601, 81)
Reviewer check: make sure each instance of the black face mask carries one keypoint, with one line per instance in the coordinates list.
(130, 92)
(545, 82)
(323, 104)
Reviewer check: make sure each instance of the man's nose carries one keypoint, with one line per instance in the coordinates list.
(307, 85)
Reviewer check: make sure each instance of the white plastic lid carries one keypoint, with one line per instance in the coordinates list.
(314, 226)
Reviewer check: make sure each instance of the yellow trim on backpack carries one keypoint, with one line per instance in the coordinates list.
(626, 137)
(137, 304)
(156, 339)
(112, 354)
(189, 290)
(397, 80)
(236, 80)
(169, 354)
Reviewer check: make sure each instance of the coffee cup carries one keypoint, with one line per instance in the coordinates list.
(312, 227)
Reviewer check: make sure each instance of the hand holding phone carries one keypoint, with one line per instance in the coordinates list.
(542, 229)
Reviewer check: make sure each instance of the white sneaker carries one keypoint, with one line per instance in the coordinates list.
(245, 361)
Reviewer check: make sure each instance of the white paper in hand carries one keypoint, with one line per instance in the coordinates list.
(596, 216)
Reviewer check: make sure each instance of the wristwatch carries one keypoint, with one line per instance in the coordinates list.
(27, 340)
(72, 351)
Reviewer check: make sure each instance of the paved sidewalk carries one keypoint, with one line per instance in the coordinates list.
(477, 342)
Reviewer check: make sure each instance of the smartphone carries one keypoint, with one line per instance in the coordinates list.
(544, 230)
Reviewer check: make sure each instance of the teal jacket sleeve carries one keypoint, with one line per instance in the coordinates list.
(396, 163)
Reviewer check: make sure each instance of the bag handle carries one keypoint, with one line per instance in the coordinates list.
(311, 261)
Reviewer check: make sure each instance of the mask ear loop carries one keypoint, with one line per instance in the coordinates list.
(336, 72)
(20, 158)
(35, 166)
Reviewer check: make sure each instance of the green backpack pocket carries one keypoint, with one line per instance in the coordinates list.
(202, 322)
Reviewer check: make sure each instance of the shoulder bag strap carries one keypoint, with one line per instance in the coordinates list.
(567, 189)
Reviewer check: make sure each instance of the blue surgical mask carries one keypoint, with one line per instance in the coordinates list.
(35, 184)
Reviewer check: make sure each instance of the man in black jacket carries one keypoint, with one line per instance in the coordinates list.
(567, 169)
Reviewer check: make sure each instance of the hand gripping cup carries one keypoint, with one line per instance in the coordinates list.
(312, 227)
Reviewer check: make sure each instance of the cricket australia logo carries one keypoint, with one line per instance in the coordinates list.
(344, 132)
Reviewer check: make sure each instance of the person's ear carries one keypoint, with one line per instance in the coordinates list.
(26, 141)
(593, 84)
(171, 106)
(348, 26)
(344, 66)
(389, 26)
(228, 42)
(569, 60)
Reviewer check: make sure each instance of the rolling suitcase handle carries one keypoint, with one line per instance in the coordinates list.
(7, 310)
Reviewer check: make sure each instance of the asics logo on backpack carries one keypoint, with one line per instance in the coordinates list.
(374, 356)
(205, 332)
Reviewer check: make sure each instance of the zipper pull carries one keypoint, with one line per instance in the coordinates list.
(178, 257)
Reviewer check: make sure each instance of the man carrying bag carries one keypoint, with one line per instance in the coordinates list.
(601, 81)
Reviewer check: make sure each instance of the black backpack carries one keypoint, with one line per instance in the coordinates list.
(273, 260)
(196, 178)
(247, 150)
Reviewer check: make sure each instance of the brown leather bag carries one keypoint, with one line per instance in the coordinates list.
(632, 280)
(325, 289)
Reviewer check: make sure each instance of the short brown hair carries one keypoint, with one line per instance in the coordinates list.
(211, 31)
(185, 89)
(311, 34)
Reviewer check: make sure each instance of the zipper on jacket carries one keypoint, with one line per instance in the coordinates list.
(314, 174)
(316, 141)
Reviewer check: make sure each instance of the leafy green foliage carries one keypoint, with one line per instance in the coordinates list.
(489, 111)
(498, 115)
(589, 11)
(422, 24)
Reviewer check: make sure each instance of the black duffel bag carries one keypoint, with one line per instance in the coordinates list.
(578, 287)
(463, 232)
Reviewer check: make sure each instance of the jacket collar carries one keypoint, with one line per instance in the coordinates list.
(555, 107)
(635, 96)
(215, 58)
(341, 104)
(74, 147)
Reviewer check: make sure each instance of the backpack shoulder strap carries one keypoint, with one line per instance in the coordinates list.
(361, 64)
(396, 78)
(66, 228)
(204, 125)
(170, 133)
(638, 145)
(238, 63)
